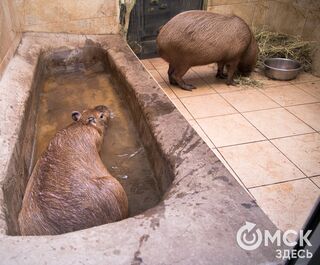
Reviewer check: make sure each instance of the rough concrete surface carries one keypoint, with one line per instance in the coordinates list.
(203, 206)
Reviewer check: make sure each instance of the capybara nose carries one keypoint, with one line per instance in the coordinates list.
(90, 119)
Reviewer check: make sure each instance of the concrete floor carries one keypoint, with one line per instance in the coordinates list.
(267, 137)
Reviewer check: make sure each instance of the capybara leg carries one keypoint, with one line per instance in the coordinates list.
(177, 76)
(220, 73)
(232, 67)
(172, 81)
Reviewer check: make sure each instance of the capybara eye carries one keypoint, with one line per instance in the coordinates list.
(101, 116)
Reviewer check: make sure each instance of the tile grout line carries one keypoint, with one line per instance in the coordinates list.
(269, 140)
(234, 145)
(193, 118)
(314, 181)
(262, 91)
(279, 182)
(277, 147)
(255, 141)
(271, 143)
(290, 136)
(205, 134)
(159, 85)
(247, 189)
(300, 118)
(296, 86)
(205, 94)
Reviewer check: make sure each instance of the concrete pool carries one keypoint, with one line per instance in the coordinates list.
(201, 205)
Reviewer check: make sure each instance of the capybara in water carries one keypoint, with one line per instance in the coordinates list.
(199, 37)
(70, 188)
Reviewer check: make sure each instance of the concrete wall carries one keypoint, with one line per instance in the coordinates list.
(70, 16)
(10, 33)
(295, 17)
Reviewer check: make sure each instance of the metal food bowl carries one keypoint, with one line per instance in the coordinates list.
(281, 68)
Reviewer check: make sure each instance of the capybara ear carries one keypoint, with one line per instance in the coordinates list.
(101, 108)
(76, 115)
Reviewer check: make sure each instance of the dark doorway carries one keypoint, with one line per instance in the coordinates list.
(148, 16)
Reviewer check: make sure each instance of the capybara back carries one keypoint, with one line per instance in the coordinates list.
(70, 188)
(199, 37)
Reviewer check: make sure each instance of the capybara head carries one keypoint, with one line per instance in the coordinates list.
(97, 117)
(249, 58)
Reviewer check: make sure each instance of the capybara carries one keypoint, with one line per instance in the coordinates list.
(199, 37)
(70, 188)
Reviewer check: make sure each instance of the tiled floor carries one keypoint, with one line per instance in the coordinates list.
(267, 137)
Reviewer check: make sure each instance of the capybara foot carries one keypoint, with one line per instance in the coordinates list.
(172, 81)
(221, 75)
(187, 87)
(231, 83)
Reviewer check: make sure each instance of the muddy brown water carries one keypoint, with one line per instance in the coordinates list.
(122, 153)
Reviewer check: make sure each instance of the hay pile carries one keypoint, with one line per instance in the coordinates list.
(247, 81)
(273, 44)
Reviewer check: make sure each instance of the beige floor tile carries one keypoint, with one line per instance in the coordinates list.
(257, 74)
(167, 90)
(304, 77)
(156, 75)
(221, 87)
(275, 123)
(224, 162)
(259, 164)
(313, 88)
(316, 180)
(164, 74)
(207, 106)
(266, 82)
(303, 150)
(202, 88)
(287, 204)
(201, 133)
(162, 83)
(158, 63)
(309, 113)
(248, 100)
(181, 108)
(207, 73)
(229, 130)
(147, 64)
(288, 95)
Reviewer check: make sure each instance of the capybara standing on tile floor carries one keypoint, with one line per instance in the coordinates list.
(199, 37)
(70, 188)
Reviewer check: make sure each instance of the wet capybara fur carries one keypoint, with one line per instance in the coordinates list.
(199, 37)
(70, 188)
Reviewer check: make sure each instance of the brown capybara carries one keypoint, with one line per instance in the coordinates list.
(199, 37)
(70, 188)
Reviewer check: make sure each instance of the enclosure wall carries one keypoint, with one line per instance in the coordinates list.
(294, 17)
(10, 33)
(71, 16)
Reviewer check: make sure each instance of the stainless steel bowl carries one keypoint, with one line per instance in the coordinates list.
(281, 68)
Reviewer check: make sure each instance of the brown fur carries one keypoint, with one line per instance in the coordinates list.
(199, 37)
(70, 188)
